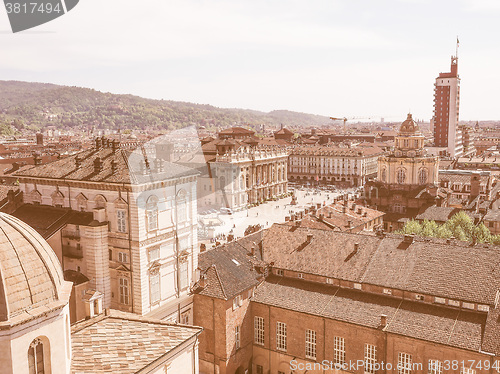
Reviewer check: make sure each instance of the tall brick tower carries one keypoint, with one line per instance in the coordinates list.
(446, 102)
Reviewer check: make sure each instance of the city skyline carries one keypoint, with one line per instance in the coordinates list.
(353, 59)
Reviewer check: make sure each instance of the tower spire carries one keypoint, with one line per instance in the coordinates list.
(456, 50)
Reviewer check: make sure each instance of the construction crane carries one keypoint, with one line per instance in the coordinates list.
(340, 119)
(345, 119)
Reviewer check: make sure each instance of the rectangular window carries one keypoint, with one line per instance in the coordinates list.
(370, 358)
(237, 302)
(435, 367)
(279, 272)
(152, 215)
(301, 276)
(185, 318)
(122, 257)
(181, 211)
(338, 350)
(154, 284)
(387, 291)
(258, 330)
(260, 369)
(183, 274)
(237, 337)
(468, 305)
(466, 370)
(404, 363)
(124, 291)
(453, 302)
(281, 336)
(154, 254)
(439, 300)
(121, 221)
(311, 344)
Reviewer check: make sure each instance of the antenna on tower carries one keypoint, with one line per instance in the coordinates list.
(456, 51)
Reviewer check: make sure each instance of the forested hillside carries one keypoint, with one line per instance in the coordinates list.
(32, 106)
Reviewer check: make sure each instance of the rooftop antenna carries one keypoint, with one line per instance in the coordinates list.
(456, 50)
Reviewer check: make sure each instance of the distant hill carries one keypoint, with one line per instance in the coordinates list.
(33, 106)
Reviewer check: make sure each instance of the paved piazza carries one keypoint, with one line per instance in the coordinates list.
(269, 213)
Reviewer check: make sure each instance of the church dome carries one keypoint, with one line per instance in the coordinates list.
(30, 273)
(409, 127)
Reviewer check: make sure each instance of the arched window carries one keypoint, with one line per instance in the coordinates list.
(422, 176)
(401, 176)
(152, 213)
(36, 360)
(384, 175)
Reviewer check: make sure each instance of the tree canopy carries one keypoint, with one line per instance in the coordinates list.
(460, 226)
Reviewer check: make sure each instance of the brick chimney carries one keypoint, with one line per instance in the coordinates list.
(114, 165)
(475, 185)
(78, 161)
(98, 143)
(309, 238)
(37, 159)
(115, 144)
(383, 320)
(97, 165)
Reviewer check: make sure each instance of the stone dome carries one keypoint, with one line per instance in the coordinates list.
(30, 273)
(409, 127)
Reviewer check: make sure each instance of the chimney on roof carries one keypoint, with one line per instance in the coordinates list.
(365, 214)
(98, 143)
(97, 165)
(349, 223)
(37, 159)
(309, 238)
(353, 206)
(383, 320)
(344, 209)
(321, 216)
(115, 144)
(408, 239)
(202, 282)
(329, 214)
(78, 161)
(114, 165)
(360, 210)
(297, 223)
(356, 247)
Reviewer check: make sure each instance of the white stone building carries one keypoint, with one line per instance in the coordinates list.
(333, 165)
(140, 247)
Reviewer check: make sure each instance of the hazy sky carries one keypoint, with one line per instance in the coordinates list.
(350, 58)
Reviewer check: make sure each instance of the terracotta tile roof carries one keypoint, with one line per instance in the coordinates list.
(128, 168)
(335, 151)
(47, 220)
(123, 342)
(355, 214)
(492, 215)
(422, 321)
(436, 213)
(236, 130)
(426, 265)
(230, 270)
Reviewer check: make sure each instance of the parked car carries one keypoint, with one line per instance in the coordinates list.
(226, 211)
